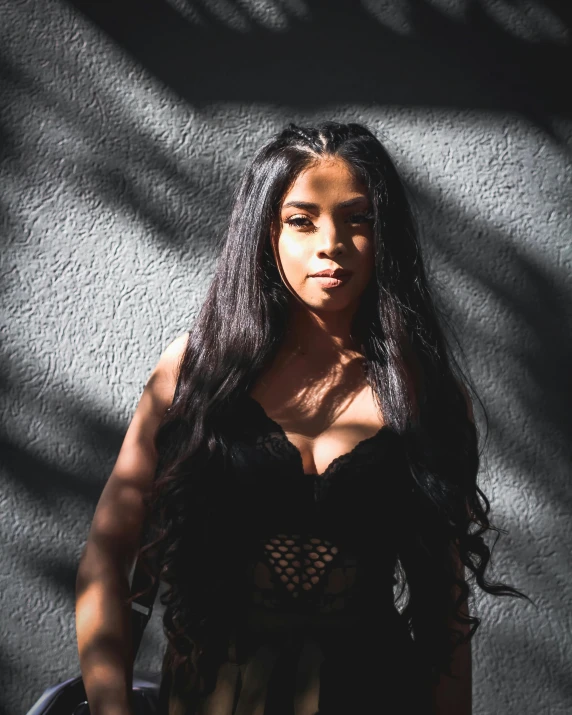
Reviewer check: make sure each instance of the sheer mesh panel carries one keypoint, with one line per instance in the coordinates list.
(300, 563)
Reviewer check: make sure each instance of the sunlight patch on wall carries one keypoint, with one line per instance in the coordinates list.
(244, 15)
(529, 20)
(395, 16)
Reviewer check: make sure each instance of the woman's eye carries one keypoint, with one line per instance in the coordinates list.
(298, 222)
(304, 222)
(364, 217)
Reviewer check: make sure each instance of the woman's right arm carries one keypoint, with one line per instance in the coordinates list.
(103, 620)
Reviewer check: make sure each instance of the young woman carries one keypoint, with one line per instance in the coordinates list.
(307, 451)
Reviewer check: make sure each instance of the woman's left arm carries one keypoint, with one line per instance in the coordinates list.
(453, 695)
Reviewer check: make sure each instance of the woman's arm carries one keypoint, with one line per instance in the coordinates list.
(453, 695)
(103, 620)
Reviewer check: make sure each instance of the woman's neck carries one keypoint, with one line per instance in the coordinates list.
(323, 336)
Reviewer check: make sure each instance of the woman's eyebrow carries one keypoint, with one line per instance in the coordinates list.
(308, 205)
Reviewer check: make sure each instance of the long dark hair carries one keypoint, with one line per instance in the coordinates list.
(421, 389)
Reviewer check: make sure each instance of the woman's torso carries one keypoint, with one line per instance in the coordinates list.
(316, 474)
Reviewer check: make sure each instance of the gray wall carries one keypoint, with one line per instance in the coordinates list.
(123, 128)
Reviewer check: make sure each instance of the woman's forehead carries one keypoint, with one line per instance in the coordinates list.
(329, 179)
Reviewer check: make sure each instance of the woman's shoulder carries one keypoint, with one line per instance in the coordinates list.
(175, 350)
(163, 379)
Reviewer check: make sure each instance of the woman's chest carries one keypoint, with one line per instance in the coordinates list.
(353, 504)
(322, 416)
(321, 429)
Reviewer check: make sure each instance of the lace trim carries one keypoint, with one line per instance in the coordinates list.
(278, 446)
(275, 444)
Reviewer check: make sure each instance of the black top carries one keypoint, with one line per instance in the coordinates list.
(319, 632)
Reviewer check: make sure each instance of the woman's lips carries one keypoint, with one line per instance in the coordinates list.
(330, 282)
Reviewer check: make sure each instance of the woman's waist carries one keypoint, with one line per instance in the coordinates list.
(347, 612)
(346, 631)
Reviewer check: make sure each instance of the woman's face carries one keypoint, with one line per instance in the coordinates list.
(325, 223)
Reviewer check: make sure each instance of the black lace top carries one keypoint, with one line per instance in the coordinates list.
(319, 633)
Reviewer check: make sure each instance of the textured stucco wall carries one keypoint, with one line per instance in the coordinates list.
(123, 127)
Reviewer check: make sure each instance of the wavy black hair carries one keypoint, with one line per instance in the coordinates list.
(421, 390)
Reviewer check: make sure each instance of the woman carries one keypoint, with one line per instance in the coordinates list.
(307, 447)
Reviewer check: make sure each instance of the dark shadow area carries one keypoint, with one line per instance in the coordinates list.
(340, 52)
(11, 675)
(45, 481)
(12, 229)
(49, 483)
(55, 570)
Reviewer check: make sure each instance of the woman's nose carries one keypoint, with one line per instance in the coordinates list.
(331, 237)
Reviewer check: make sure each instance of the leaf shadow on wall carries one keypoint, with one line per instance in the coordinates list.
(314, 53)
